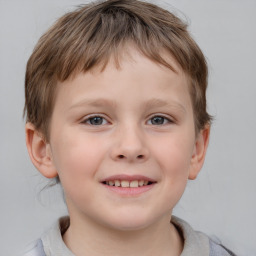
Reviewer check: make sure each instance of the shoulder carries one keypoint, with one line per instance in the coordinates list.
(36, 250)
(217, 249)
(51, 242)
(197, 243)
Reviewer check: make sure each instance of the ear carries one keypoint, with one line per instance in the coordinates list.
(40, 152)
(200, 148)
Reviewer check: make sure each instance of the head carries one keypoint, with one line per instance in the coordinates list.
(95, 33)
(115, 91)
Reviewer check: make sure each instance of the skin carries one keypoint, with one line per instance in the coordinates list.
(127, 142)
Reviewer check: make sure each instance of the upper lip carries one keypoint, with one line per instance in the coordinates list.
(128, 178)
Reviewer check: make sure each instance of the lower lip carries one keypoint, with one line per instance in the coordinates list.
(130, 191)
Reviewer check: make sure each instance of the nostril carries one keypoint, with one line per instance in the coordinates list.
(139, 157)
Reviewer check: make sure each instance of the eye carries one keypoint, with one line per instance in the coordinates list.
(95, 120)
(159, 120)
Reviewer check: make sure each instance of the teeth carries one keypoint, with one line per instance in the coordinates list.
(117, 183)
(141, 183)
(127, 184)
(134, 184)
(111, 183)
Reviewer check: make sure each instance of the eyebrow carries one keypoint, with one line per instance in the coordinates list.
(94, 103)
(154, 102)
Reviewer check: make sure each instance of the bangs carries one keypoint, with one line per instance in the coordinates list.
(91, 37)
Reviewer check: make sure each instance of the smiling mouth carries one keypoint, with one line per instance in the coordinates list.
(128, 184)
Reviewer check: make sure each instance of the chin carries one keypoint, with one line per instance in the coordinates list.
(132, 222)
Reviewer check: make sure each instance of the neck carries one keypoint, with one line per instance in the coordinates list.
(84, 237)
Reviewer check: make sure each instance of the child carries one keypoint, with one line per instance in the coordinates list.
(116, 112)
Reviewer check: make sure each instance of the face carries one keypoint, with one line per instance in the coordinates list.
(123, 143)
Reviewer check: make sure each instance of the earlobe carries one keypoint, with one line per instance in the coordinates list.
(40, 152)
(199, 153)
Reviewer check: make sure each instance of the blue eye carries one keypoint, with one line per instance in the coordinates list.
(159, 120)
(95, 120)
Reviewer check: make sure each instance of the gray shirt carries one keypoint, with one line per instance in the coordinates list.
(195, 243)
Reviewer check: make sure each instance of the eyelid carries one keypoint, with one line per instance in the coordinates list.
(85, 119)
(166, 117)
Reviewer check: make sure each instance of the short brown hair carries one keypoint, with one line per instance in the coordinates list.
(92, 34)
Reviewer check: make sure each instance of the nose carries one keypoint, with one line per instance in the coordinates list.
(129, 145)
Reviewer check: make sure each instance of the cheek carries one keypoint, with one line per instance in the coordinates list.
(173, 159)
(76, 157)
(173, 155)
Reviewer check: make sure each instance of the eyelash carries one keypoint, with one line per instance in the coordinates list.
(90, 119)
(164, 118)
(103, 121)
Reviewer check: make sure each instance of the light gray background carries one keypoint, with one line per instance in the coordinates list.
(221, 202)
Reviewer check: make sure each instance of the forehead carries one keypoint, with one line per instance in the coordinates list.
(133, 74)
